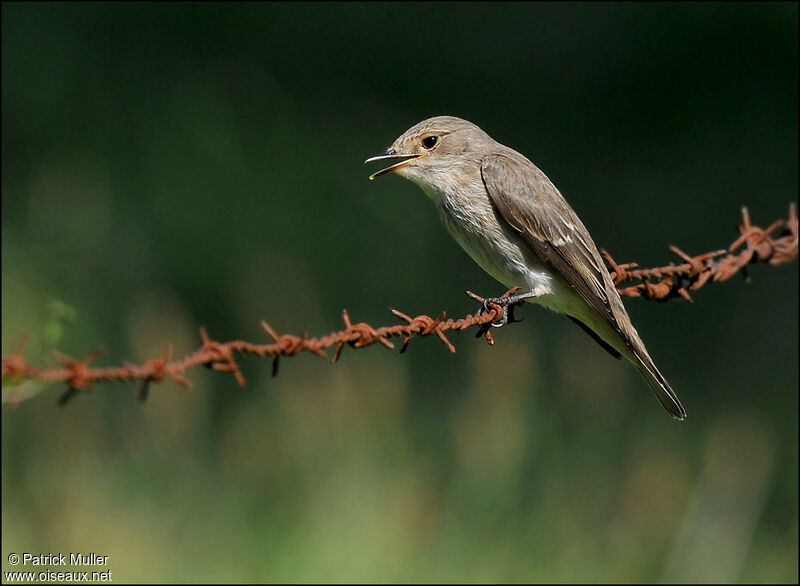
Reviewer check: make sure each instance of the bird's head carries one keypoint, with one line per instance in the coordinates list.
(429, 152)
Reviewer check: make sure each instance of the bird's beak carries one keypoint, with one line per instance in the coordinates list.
(390, 156)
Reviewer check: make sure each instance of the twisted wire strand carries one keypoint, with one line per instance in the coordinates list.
(776, 245)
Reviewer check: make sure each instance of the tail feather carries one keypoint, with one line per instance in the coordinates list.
(622, 338)
(661, 388)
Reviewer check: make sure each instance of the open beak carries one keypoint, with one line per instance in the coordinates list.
(389, 156)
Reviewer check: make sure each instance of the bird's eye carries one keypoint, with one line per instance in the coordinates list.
(429, 142)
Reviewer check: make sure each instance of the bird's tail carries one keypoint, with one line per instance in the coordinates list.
(657, 382)
(624, 340)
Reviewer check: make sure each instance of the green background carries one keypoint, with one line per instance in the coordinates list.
(171, 166)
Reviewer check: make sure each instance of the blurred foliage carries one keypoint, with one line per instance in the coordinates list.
(167, 166)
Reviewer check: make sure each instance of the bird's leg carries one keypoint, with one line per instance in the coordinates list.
(508, 301)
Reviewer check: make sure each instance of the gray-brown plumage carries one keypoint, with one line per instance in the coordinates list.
(512, 221)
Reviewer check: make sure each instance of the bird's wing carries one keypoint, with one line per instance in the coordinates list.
(532, 205)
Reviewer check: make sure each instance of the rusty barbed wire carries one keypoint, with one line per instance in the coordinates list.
(220, 356)
(754, 245)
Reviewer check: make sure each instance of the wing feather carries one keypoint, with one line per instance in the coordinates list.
(532, 205)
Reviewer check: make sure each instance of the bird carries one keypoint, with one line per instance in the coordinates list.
(515, 224)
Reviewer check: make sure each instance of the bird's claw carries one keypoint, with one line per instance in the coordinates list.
(507, 303)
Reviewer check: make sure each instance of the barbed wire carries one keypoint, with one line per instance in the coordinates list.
(754, 245)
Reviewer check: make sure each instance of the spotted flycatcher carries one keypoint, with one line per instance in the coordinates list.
(515, 224)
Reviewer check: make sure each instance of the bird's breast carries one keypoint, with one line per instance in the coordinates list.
(474, 222)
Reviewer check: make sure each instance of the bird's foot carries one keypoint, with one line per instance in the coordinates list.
(508, 310)
(508, 302)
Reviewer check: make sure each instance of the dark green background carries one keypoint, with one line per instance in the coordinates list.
(172, 166)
